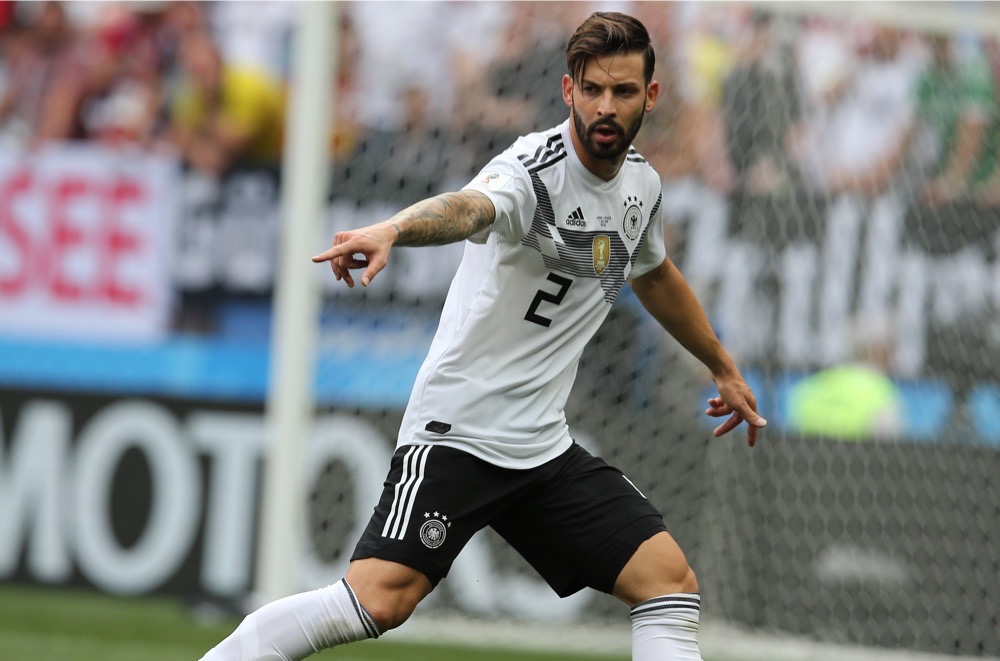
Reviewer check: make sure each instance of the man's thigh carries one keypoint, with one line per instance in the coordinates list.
(435, 498)
(579, 524)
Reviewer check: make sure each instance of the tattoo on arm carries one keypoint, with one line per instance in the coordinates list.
(443, 219)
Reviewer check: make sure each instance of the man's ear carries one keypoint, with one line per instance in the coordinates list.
(567, 89)
(652, 92)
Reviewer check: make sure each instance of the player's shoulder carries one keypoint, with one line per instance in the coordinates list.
(637, 164)
(637, 167)
(539, 150)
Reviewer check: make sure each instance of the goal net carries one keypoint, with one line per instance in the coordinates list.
(831, 193)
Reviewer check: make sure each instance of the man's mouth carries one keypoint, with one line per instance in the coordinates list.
(605, 133)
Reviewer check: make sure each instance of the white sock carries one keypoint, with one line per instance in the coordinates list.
(666, 628)
(297, 626)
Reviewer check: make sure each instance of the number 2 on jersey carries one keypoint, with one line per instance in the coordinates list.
(548, 297)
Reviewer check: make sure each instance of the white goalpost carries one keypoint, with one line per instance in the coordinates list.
(290, 400)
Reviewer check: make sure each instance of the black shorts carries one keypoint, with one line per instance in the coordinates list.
(575, 519)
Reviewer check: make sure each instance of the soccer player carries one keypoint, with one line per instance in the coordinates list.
(554, 226)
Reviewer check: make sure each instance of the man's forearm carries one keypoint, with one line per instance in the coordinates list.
(443, 219)
(668, 298)
(692, 329)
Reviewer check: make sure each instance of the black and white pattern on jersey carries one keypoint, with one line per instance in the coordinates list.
(634, 156)
(574, 249)
(548, 154)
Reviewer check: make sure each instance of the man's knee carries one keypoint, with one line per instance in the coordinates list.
(387, 590)
(689, 582)
(674, 575)
(388, 612)
(658, 567)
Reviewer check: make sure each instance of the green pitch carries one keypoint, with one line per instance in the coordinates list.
(69, 625)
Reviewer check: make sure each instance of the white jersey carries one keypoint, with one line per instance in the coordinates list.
(531, 291)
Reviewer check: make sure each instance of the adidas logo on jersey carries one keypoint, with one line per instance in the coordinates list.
(576, 218)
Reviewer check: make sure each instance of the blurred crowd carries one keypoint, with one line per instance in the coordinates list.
(426, 91)
(154, 75)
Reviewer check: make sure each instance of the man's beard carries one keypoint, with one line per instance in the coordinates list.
(610, 151)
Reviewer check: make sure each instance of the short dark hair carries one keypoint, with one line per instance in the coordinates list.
(609, 33)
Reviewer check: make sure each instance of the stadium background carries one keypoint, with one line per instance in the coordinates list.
(830, 186)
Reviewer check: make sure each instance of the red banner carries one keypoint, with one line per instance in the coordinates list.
(86, 243)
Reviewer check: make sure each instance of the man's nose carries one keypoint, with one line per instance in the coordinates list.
(606, 106)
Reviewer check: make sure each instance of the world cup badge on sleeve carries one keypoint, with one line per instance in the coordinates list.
(494, 180)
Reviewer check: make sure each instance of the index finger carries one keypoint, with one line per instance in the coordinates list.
(334, 251)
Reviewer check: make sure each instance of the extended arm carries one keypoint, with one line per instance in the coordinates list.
(446, 218)
(668, 298)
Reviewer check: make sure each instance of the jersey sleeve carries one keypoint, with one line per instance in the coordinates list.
(505, 181)
(652, 251)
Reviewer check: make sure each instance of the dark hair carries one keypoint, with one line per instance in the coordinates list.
(609, 33)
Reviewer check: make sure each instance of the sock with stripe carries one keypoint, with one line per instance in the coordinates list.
(297, 626)
(666, 628)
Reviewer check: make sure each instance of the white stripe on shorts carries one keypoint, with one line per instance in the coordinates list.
(414, 462)
(635, 487)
